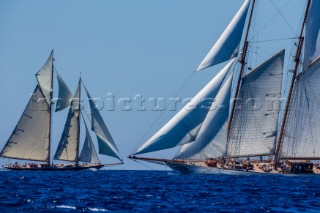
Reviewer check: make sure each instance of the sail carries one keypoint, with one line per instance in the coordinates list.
(106, 143)
(30, 138)
(184, 126)
(44, 78)
(212, 138)
(254, 127)
(301, 138)
(65, 95)
(312, 37)
(227, 45)
(88, 153)
(69, 143)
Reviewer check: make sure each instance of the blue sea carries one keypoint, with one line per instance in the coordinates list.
(156, 191)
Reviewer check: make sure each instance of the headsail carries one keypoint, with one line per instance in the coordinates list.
(212, 138)
(184, 126)
(106, 143)
(88, 153)
(254, 127)
(30, 138)
(227, 45)
(65, 95)
(69, 143)
(44, 77)
(312, 38)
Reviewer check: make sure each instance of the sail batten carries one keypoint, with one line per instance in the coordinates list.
(227, 45)
(212, 138)
(30, 138)
(185, 125)
(254, 127)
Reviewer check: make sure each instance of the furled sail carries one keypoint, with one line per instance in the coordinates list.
(65, 95)
(212, 138)
(312, 37)
(254, 127)
(227, 45)
(301, 138)
(44, 78)
(30, 138)
(69, 143)
(88, 153)
(106, 143)
(184, 126)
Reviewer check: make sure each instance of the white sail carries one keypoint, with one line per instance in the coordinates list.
(65, 95)
(301, 138)
(254, 126)
(312, 38)
(44, 77)
(212, 138)
(30, 138)
(106, 143)
(184, 126)
(227, 45)
(69, 143)
(88, 153)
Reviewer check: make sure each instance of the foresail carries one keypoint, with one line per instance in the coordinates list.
(88, 153)
(69, 143)
(312, 37)
(212, 138)
(106, 143)
(301, 138)
(227, 45)
(184, 126)
(30, 138)
(65, 95)
(254, 127)
(44, 78)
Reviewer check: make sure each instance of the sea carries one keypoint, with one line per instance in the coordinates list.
(155, 191)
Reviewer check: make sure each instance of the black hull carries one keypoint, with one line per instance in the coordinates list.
(52, 168)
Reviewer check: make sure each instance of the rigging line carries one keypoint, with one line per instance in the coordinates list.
(162, 113)
(149, 167)
(276, 39)
(284, 18)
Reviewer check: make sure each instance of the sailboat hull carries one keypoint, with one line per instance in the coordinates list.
(55, 168)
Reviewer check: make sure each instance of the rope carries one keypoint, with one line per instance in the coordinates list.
(149, 167)
(276, 39)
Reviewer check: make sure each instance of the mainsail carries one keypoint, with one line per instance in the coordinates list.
(69, 143)
(227, 45)
(212, 138)
(65, 95)
(254, 127)
(184, 126)
(30, 138)
(106, 143)
(88, 153)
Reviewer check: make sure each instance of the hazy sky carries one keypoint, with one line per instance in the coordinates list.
(128, 49)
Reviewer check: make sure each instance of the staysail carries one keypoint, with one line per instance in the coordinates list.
(88, 153)
(184, 126)
(44, 77)
(254, 127)
(69, 143)
(227, 45)
(212, 138)
(106, 143)
(65, 95)
(30, 138)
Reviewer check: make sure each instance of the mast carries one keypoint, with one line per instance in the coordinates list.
(243, 63)
(50, 108)
(78, 120)
(294, 75)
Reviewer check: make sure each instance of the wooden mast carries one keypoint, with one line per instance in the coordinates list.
(294, 75)
(50, 108)
(243, 63)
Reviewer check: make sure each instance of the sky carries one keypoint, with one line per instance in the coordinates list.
(125, 49)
